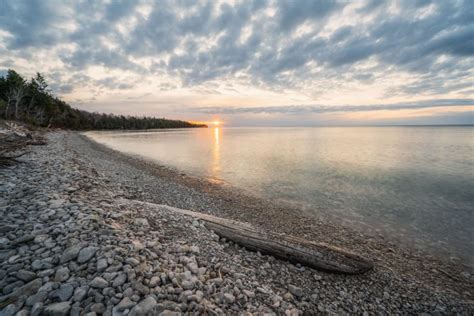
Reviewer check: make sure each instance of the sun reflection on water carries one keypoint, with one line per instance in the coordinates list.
(216, 156)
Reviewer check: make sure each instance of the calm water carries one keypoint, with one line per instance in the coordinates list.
(412, 183)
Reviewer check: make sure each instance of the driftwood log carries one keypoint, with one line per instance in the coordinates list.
(297, 250)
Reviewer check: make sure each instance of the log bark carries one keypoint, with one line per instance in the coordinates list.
(297, 250)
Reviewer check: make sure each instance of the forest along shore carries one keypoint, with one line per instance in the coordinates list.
(73, 240)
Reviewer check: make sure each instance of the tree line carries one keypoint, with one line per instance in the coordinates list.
(32, 101)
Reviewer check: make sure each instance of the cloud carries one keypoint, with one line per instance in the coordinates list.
(309, 46)
(309, 109)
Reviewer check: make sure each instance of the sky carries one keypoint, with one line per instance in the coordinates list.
(252, 62)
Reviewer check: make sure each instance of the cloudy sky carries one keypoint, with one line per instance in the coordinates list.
(253, 62)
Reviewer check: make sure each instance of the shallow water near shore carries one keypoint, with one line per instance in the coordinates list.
(415, 184)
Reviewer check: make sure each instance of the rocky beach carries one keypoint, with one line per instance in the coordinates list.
(77, 238)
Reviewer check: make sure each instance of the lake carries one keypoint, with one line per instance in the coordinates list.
(414, 184)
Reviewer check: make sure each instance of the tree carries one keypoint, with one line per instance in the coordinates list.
(33, 103)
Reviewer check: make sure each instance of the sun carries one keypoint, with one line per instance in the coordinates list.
(216, 123)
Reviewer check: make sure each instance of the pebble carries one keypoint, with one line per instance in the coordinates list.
(296, 291)
(62, 274)
(25, 275)
(58, 309)
(85, 254)
(99, 282)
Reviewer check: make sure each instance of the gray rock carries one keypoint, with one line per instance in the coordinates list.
(62, 274)
(70, 253)
(119, 280)
(25, 275)
(101, 265)
(45, 273)
(80, 293)
(141, 222)
(98, 308)
(167, 312)
(141, 288)
(124, 304)
(86, 254)
(26, 290)
(36, 309)
(41, 265)
(229, 298)
(145, 307)
(155, 280)
(23, 312)
(132, 261)
(99, 282)
(249, 294)
(10, 310)
(62, 294)
(9, 288)
(39, 297)
(58, 309)
(188, 284)
(296, 291)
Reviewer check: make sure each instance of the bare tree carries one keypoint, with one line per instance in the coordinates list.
(18, 94)
(9, 100)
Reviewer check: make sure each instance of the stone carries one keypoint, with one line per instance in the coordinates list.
(10, 310)
(249, 294)
(99, 282)
(23, 312)
(41, 264)
(101, 265)
(296, 291)
(167, 312)
(27, 289)
(58, 309)
(36, 309)
(98, 308)
(188, 284)
(124, 304)
(141, 288)
(70, 253)
(62, 294)
(145, 307)
(229, 298)
(86, 254)
(141, 222)
(119, 280)
(132, 261)
(155, 281)
(39, 297)
(62, 274)
(25, 275)
(80, 293)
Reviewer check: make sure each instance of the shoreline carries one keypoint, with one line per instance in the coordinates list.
(92, 188)
(223, 190)
(240, 205)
